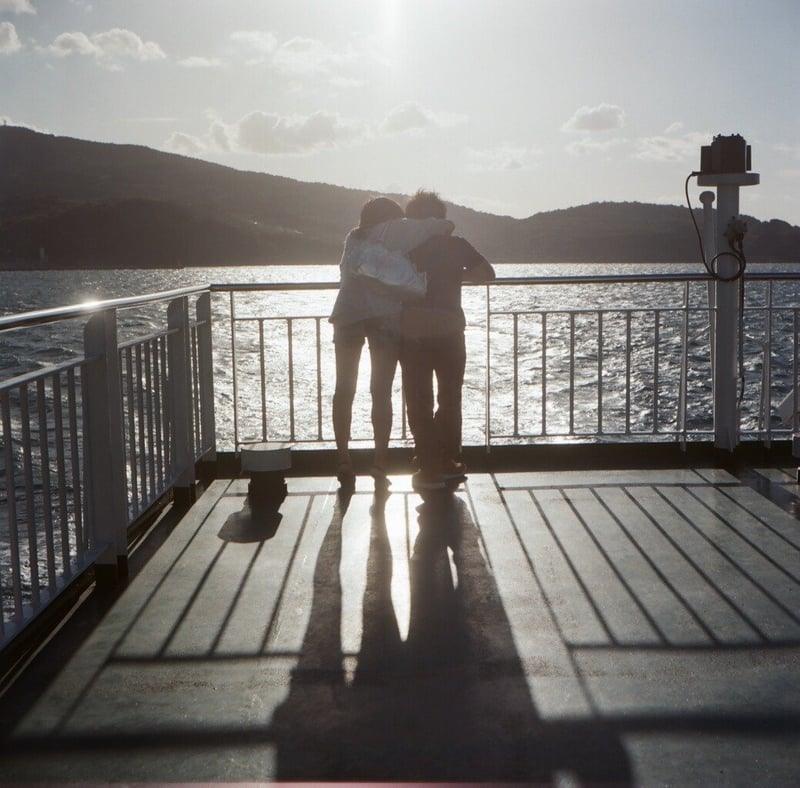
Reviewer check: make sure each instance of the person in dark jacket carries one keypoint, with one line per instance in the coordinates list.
(433, 347)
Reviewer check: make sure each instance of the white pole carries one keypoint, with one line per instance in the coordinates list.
(726, 411)
(710, 251)
(106, 490)
(725, 352)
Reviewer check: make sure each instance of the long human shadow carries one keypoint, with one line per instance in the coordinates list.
(451, 703)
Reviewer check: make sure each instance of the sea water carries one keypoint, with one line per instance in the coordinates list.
(39, 346)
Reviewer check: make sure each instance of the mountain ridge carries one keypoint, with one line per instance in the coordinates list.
(66, 202)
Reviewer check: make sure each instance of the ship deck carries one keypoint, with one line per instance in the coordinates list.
(624, 626)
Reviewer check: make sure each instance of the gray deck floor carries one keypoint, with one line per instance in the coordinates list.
(634, 627)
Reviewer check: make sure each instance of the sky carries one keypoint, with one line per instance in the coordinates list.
(507, 106)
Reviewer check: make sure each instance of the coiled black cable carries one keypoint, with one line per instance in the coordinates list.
(736, 244)
(736, 249)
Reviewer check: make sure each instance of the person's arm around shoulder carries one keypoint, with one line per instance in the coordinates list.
(403, 235)
(482, 272)
(475, 267)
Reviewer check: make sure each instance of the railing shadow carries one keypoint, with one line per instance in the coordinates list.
(451, 702)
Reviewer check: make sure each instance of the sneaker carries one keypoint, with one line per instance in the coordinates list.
(424, 480)
(382, 481)
(346, 475)
(452, 469)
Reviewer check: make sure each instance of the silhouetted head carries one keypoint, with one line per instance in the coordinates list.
(426, 205)
(376, 211)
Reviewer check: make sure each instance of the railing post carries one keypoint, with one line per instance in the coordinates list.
(726, 164)
(710, 244)
(205, 357)
(179, 398)
(726, 389)
(106, 493)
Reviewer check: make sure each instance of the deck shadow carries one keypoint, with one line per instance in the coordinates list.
(256, 521)
(451, 701)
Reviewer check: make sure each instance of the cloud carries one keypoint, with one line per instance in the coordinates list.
(261, 44)
(72, 44)
(307, 58)
(410, 117)
(270, 134)
(664, 148)
(310, 56)
(603, 117)
(219, 136)
(16, 7)
(108, 48)
(124, 43)
(589, 145)
(9, 40)
(504, 158)
(261, 132)
(200, 62)
(185, 144)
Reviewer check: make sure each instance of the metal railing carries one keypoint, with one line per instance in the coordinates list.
(91, 444)
(549, 359)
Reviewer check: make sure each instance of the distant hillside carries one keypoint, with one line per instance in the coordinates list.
(66, 202)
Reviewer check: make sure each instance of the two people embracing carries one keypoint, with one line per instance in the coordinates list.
(400, 290)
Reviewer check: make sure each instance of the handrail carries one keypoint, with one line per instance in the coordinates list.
(579, 279)
(55, 314)
(41, 316)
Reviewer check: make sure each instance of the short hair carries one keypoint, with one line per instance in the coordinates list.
(378, 210)
(426, 205)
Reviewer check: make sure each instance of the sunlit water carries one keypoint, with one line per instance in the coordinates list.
(36, 347)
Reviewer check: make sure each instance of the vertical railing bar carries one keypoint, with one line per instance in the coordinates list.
(318, 331)
(290, 343)
(234, 382)
(628, 355)
(205, 374)
(140, 396)
(131, 408)
(571, 373)
(77, 484)
(682, 390)
(487, 403)
(600, 372)
(157, 410)
(165, 409)
(795, 369)
(263, 369)
(195, 389)
(656, 359)
(33, 547)
(770, 317)
(11, 496)
(47, 508)
(148, 374)
(516, 373)
(765, 408)
(544, 373)
(61, 473)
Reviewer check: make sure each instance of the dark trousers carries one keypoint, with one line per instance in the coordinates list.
(437, 436)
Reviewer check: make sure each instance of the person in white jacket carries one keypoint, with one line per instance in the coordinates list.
(373, 284)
